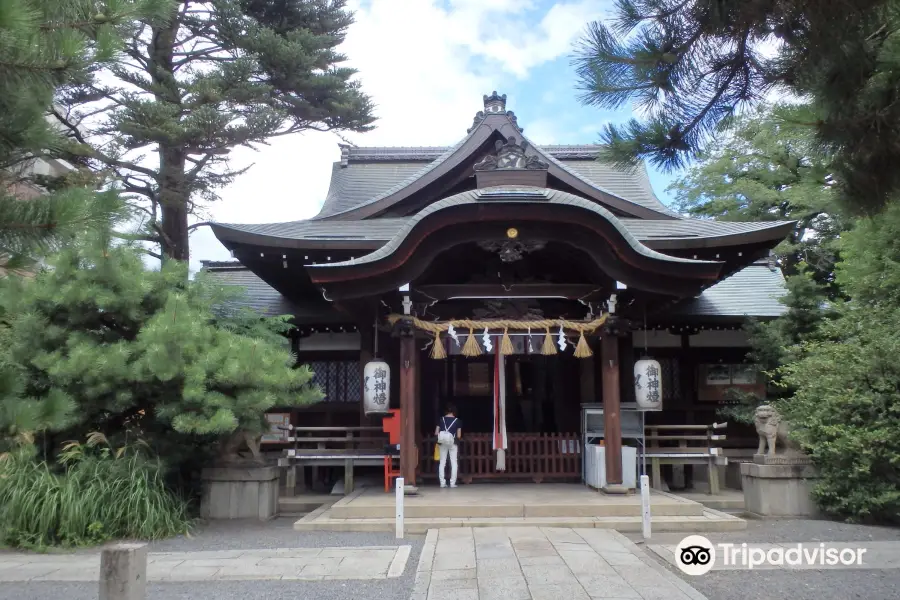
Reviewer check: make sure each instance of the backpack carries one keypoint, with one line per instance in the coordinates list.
(445, 438)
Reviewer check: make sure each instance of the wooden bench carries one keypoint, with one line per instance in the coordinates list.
(685, 445)
(312, 446)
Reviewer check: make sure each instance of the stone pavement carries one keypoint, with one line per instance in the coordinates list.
(537, 563)
(304, 564)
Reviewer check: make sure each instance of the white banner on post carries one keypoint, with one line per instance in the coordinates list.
(399, 508)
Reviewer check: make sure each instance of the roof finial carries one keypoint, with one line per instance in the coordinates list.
(495, 104)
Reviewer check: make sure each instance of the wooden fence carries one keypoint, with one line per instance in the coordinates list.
(535, 456)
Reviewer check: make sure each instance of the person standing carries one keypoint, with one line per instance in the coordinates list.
(448, 432)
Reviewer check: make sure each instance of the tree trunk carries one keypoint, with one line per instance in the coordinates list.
(174, 195)
(173, 201)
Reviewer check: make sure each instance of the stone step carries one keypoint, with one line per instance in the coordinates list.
(302, 504)
(709, 521)
(727, 500)
(475, 511)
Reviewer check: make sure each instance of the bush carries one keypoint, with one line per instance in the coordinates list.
(93, 494)
(845, 413)
(845, 410)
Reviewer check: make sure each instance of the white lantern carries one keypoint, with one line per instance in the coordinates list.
(377, 388)
(648, 389)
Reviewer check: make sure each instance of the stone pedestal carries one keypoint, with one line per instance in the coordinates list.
(239, 493)
(779, 486)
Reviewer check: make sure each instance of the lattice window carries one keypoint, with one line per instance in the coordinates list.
(339, 380)
(671, 377)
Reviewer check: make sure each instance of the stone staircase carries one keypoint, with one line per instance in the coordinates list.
(373, 510)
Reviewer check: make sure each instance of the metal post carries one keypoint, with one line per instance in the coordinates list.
(399, 502)
(645, 506)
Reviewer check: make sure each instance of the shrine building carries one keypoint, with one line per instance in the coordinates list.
(521, 283)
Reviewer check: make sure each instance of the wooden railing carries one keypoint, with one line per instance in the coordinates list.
(535, 456)
(330, 447)
(685, 445)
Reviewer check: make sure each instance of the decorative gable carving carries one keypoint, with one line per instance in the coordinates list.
(510, 155)
(509, 165)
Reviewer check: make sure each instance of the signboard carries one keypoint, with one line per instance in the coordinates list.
(716, 379)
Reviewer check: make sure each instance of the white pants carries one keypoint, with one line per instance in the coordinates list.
(444, 451)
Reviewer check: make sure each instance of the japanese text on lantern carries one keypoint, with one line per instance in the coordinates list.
(380, 376)
(652, 373)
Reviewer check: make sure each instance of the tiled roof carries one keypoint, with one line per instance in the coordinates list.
(753, 292)
(526, 194)
(355, 189)
(693, 228)
(366, 174)
(262, 297)
(384, 229)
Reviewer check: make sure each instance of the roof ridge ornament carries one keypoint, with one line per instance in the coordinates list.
(495, 104)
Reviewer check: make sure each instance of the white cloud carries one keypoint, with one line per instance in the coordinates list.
(415, 58)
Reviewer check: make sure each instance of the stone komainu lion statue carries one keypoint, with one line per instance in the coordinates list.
(771, 429)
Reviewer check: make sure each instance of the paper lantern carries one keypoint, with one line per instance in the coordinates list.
(648, 384)
(377, 388)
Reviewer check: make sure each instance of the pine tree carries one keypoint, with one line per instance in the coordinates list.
(216, 75)
(101, 343)
(690, 64)
(46, 44)
(765, 167)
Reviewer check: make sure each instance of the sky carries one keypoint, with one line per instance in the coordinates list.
(437, 57)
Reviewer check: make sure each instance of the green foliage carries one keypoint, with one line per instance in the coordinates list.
(689, 65)
(212, 77)
(95, 493)
(44, 45)
(845, 407)
(765, 167)
(103, 344)
(845, 412)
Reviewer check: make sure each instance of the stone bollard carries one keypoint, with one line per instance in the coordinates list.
(123, 572)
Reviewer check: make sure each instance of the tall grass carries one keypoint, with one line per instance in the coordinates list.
(92, 495)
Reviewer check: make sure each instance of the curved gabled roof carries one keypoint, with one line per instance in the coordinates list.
(366, 172)
(509, 194)
(485, 214)
(468, 151)
(372, 233)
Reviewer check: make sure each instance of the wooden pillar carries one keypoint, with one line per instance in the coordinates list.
(612, 425)
(408, 367)
(366, 341)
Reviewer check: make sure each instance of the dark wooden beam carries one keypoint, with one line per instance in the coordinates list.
(612, 425)
(571, 291)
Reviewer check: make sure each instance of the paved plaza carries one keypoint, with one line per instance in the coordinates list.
(272, 561)
(536, 563)
(301, 564)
